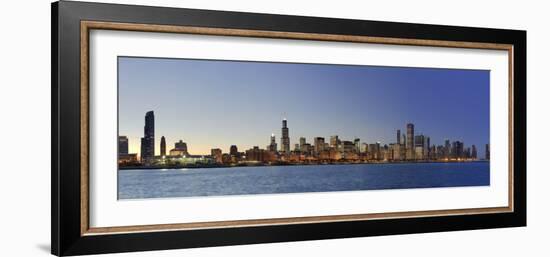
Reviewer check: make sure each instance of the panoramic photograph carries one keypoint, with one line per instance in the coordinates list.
(196, 128)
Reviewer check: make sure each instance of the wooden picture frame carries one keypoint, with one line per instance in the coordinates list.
(71, 25)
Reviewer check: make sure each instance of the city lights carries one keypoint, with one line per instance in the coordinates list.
(408, 147)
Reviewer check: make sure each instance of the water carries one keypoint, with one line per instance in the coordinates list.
(136, 184)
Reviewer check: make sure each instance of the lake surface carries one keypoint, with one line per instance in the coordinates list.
(147, 183)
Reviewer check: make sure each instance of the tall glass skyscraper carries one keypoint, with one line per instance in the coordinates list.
(148, 139)
(285, 140)
(162, 146)
(410, 141)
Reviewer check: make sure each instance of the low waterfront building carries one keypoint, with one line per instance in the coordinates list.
(217, 154)
(128, 159)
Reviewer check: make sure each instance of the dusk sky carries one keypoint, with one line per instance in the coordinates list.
(214, 104)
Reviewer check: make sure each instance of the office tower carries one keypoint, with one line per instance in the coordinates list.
(357, 143)
(427, 148)
(410, 141)
(272, 147)
(474, 152)
(447, 150)
(398, 136)
(233, 150)
(457, 150)
(162, 146)
(419, 147)
(487, 152)
(148, 139)
(256, 154)
(122, 145)
(334, 142)
(364, 148)
(396, 152)
(285, 140)
(348, 146)
(302, 141)
(374, 151)
(319, 144)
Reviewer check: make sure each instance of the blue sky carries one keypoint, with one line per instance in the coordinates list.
(214, 104)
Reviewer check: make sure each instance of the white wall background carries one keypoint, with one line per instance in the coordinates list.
(25, 127)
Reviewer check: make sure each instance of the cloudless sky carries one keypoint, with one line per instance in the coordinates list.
(214, 104)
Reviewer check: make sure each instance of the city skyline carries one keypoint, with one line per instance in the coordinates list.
(197, 109)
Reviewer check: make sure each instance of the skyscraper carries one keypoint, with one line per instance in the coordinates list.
(122, 145)
(474, 152)
(427, 148)
(447, 151)
(272, 144)
(335, 142)
(487, 152)
(302, 141)
(162, 146)
(410, 141)
(319, 144)
(148, 139)
(398, 136)
(419, 146)
(285, 140)
(357, 143)
(233, 150)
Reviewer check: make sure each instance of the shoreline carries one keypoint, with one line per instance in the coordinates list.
(281, 164)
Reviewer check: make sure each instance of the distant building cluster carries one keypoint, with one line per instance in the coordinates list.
(408, 147)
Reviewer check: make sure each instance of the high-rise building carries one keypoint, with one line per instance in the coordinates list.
(357, 143)
(285, 140)
(427, 148)
(374, 151)
(122, 145)
(364, 148)
(335, 142)
(272, 147)
(233, 150)
(419, 147)
(457, 150)
(348, 146)
(447, 151)
(319, 144)
(487, 152)
(148, 139)
(162, 146)
(396, 152)
(398, 136)
(474, 152)
(302, 141)
(410, 141)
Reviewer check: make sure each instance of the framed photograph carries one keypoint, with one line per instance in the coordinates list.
(178, 128)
